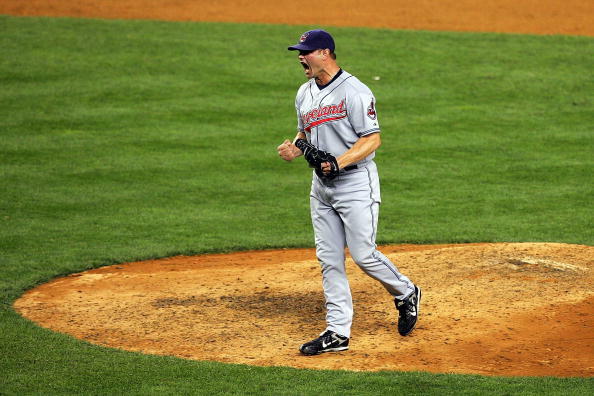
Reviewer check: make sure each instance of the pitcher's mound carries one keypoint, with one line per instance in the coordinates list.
(495, 309)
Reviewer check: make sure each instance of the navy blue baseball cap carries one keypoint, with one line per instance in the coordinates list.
(313, 40)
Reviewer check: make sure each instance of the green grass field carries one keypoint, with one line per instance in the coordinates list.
(128, 140)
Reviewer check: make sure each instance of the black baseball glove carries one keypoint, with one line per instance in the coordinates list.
(316, 157)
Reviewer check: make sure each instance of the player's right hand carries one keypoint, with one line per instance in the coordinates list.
(288, 151)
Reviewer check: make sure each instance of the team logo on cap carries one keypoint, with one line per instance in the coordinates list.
(371, 111)
(303, 37)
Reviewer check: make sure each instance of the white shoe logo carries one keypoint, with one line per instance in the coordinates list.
(333, 340)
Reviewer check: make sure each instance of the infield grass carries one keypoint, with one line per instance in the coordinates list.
(128, 140)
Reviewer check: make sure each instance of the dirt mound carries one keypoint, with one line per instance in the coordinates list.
(494, 309)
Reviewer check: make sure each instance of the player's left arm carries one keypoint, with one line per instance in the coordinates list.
(361, 149)
(363, 118)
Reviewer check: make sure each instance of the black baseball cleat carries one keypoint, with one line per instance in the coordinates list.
(408, 312)
(328, 341)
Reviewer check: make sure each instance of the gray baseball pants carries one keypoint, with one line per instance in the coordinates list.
(344, 213)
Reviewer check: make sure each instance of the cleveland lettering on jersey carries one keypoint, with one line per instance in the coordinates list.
(322, 114)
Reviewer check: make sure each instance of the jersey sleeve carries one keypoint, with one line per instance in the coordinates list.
(362, 114)
(299, 120)
(298, 100)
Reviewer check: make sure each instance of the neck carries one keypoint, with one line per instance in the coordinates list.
(327, 74)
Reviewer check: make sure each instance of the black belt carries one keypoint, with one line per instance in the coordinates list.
(326, 179)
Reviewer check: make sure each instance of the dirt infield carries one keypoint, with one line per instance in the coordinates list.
(573, 17)
(492, 309)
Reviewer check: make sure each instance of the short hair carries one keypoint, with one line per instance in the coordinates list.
(333, 55)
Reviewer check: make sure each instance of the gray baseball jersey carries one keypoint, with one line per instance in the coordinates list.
(335, 117)
(345, 210)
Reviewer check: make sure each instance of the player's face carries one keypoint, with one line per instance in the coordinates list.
(311, 62)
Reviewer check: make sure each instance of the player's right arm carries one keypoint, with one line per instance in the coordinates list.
(288, 151)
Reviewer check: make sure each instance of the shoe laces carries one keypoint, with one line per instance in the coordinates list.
(407, 305)
(327, 336)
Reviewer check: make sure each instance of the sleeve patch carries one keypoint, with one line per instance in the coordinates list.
(371, 111)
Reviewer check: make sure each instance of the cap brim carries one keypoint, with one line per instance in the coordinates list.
(300, 47)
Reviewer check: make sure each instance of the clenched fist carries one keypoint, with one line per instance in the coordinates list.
(288, 151)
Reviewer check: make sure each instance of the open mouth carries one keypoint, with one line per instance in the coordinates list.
(305, 65)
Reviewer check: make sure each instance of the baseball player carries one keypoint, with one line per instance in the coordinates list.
(338, 133)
